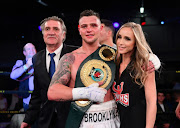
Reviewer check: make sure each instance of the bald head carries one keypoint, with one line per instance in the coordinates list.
(29, 50)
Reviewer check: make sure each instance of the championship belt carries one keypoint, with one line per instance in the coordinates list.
(97, 67)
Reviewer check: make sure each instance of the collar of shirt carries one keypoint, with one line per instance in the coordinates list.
(162, 107)
(56, 57)
(114, 46)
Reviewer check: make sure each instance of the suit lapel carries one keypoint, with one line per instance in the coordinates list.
(63, 50)
(43, 64)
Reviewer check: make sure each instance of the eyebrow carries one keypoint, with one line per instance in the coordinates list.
(51, 27)
(89, 24)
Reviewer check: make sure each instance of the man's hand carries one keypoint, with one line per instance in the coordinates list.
(92, 92)
(18, 63)
(25, 125)
(29, 62)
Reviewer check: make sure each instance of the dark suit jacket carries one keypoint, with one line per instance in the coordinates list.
(162, 117)
(49, 114)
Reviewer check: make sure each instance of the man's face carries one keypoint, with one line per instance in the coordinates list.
(104, 34)
(29, 50)
(53, 33)
(89, 29)
(160, 97)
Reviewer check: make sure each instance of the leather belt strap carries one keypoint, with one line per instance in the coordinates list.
(97, 67)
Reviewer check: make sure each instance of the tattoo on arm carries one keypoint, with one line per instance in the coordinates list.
(63, 72)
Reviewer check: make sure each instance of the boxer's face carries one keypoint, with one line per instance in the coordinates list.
(90, 28)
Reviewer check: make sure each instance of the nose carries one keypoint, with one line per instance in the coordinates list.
(51, 32)
(119, 42)
(88, 29)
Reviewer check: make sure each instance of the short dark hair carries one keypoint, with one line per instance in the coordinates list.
(108, 24)
(89, 13)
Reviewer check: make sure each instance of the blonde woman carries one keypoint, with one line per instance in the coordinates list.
(134, 88)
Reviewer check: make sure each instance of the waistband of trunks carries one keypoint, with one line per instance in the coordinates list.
(104, 112)
(102, 106)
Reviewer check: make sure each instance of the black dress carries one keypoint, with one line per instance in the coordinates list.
(130, 99)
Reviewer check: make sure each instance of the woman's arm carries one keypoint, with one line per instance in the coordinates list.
(151, 98)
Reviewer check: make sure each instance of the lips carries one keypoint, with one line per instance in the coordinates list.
(121, 48)
(89, 35)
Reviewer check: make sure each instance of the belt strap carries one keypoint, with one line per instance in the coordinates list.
(101, 61)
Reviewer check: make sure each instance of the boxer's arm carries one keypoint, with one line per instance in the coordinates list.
(58, 90)
(154, 64)
(155, 60)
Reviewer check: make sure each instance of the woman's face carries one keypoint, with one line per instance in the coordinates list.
(125, 41)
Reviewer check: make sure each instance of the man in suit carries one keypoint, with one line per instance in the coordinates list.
(163, 117)
(23, 72)
(48, 114)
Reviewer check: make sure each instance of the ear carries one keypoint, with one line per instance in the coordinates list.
(109, 33)
(24, 53)
(101, 27)
(64, 36)
(79, 29)
(78, 26)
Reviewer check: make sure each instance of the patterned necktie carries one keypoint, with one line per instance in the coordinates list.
(52, 65)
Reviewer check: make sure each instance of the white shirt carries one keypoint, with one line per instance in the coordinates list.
(16, 73)
(31, 87)
(162, 106)
(114, 46)
(56, 57)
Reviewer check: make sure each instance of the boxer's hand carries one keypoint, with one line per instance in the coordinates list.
(150, 67)
(92, 92)
(155, 60)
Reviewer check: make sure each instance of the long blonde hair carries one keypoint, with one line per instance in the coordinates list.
(141, 53)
